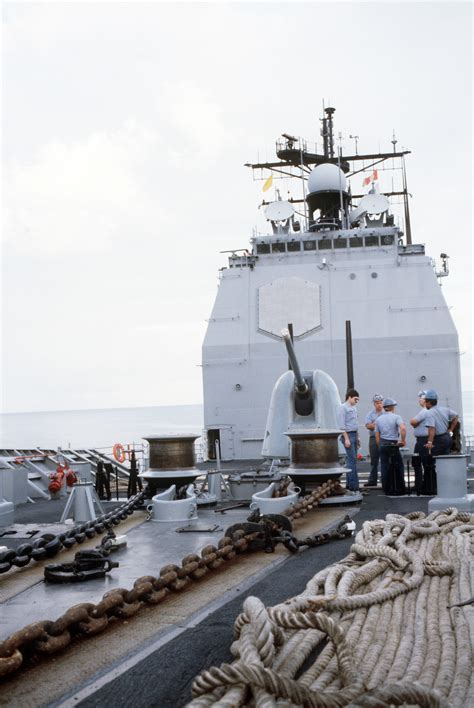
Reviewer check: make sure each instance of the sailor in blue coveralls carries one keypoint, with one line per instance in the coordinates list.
(445, 421)
(423, 463)
(390, 433)
(370, 419)
(348, 423)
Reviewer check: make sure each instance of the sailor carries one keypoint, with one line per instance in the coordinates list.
(370, 419)
(423, 423)
(348, 423)
(445, 421)
(390, 434)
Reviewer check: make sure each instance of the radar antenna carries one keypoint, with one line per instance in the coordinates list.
(296, 160)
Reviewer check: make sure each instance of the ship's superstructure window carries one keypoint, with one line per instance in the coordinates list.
(294, 246)
(324, 244)
(371, 240)
(340, 240)
(356, 242)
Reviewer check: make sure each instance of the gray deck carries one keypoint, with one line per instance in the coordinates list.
(164, 677)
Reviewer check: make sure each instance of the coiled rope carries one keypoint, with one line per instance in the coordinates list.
(379, 628)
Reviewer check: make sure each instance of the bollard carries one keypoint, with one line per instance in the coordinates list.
(451, 475)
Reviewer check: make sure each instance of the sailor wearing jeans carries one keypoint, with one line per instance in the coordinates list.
(370, 419)
(390, 433)
(348, 423)
(445, 420)
(423, 423)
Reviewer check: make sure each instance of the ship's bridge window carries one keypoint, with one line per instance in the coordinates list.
(263, 248)
(340, 243)
(371, 240)
(309, 245)
(278, 247)
(293, 246)
(387, 240)
(356, 242)
(325, 244)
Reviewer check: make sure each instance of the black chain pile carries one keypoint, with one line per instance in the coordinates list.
(48, 545)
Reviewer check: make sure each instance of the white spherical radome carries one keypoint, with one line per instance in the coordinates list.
(326, 177)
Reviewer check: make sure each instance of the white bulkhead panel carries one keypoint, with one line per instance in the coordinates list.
(403, 335)
(287, 300)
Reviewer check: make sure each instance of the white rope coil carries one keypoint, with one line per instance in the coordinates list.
(382, 627)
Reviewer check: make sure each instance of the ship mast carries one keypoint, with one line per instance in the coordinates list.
(293, 155)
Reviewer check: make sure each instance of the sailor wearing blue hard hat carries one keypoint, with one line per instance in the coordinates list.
(390, 434)
(445, 421)
(370, 419)
(423, 424)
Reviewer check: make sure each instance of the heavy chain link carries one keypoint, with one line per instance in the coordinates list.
(48, 545)
(87, 619)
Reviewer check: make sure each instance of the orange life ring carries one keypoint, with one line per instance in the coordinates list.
(119, 452)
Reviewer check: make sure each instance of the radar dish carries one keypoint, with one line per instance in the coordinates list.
(327, 178)
(374, 204)
(279, 211)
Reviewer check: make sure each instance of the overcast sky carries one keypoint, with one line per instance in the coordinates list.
(125, 128)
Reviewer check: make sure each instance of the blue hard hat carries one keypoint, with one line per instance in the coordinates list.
(389, 402)
(431, 394)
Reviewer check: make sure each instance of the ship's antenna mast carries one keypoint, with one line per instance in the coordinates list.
(356, 138)
(339, 153)
(327, 132)
(324, 134)
(329, 112)
(407, 208)
(304, 183)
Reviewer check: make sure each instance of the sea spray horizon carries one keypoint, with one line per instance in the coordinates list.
(102, 427)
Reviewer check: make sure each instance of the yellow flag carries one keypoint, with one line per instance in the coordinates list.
(268, 183)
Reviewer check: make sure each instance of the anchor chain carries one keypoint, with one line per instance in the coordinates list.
(87, 619)
(48, 545)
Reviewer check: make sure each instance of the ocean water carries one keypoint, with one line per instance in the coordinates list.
(105, 426)
(101, 427)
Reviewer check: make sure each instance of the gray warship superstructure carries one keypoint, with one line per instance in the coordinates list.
(344, 258)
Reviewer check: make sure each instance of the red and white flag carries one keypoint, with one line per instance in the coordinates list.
(371, 178)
